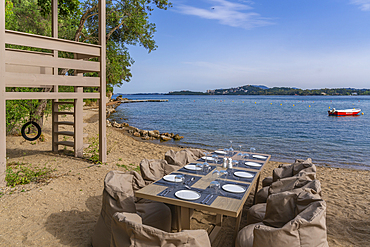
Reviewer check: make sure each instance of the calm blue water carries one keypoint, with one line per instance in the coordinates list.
(287, 127)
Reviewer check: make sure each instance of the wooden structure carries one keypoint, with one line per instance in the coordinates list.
(20, 68)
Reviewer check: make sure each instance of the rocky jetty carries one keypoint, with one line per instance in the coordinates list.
(144, 134)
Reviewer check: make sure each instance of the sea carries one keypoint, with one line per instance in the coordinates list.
(286, 127)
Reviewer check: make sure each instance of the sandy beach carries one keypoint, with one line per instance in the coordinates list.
(63, 210)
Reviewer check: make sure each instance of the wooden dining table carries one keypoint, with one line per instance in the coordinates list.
(222, 205)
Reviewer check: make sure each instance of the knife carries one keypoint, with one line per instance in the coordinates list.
(203, 201)
(209, 199)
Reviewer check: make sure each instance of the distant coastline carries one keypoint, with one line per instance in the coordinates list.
(263, 90)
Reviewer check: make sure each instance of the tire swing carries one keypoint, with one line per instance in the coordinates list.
(23, 131)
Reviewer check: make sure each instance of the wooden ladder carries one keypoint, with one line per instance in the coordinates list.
(77, 124)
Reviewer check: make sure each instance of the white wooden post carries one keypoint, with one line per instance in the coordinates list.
(2, 96)
(54, 117)
(103, 86)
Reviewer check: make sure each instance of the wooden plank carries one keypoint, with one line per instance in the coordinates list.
(2, 96)
(66, 143)
(64, 113)
(103, 85)
(51, 95)
(42, 80)
(64, 123)
(38, 41)
(37, 60)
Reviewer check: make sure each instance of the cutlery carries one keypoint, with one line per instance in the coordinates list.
(203, 201)
(209, 199)
(168, 191)
(163, 192)
(187, 186)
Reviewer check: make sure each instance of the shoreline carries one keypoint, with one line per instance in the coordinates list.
(63, 211)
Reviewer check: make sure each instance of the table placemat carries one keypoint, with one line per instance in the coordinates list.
(225, 193)
(187, 180)
(231, 175)
(243, 165)
(205, 198)
(195, 172)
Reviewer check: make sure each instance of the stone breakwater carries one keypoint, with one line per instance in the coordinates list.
(144, 134)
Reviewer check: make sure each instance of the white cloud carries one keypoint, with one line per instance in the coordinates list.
(364, 5)
(228, 13)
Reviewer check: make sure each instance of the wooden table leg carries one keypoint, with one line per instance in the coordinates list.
(178, 216)
(255, 192)
(237, 225)
(185, 218)
(219, 220)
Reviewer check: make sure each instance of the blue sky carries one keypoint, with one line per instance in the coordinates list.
(211, 44)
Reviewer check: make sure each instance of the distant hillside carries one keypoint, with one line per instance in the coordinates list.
(263, 90)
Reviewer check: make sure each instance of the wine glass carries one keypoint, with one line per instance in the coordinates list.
(231, 144)
(252, 151)
(215, 157)
(206, 157)
(215, 187)
(231, 150)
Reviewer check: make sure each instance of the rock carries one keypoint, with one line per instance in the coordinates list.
(151, 133)
(137, 134)
(145, 138)
(165, 138)
(117, 125)
(156, 132)
(171, 135)
(177, 137)
(125, 124)
(144, 132)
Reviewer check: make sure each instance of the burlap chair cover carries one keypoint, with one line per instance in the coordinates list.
(152, 170)
(293, 184)
(256, 213)
(293, 169)
(118, 196)
(300, 168)
(127, 231)
(291, 220)
(178, 159)
(267, 181)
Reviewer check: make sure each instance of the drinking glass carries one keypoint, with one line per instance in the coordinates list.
(199, 168)
(246, 156)
(223, 173)
(216, 175)
(206, 168)
(179, 179)
(215, 187)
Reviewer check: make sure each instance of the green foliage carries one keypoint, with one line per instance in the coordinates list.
(21, 173)
(137, 168)
(124, 166)
(93, 150)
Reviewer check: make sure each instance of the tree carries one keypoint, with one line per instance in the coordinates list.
(127, 24)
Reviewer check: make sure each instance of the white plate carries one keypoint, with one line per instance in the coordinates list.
(193, 167)
(243, 174)
(208, 158)
(187, 195)
(171, 178)
(253, 164)
(233, 188)
(259, 156)
(220, 152)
